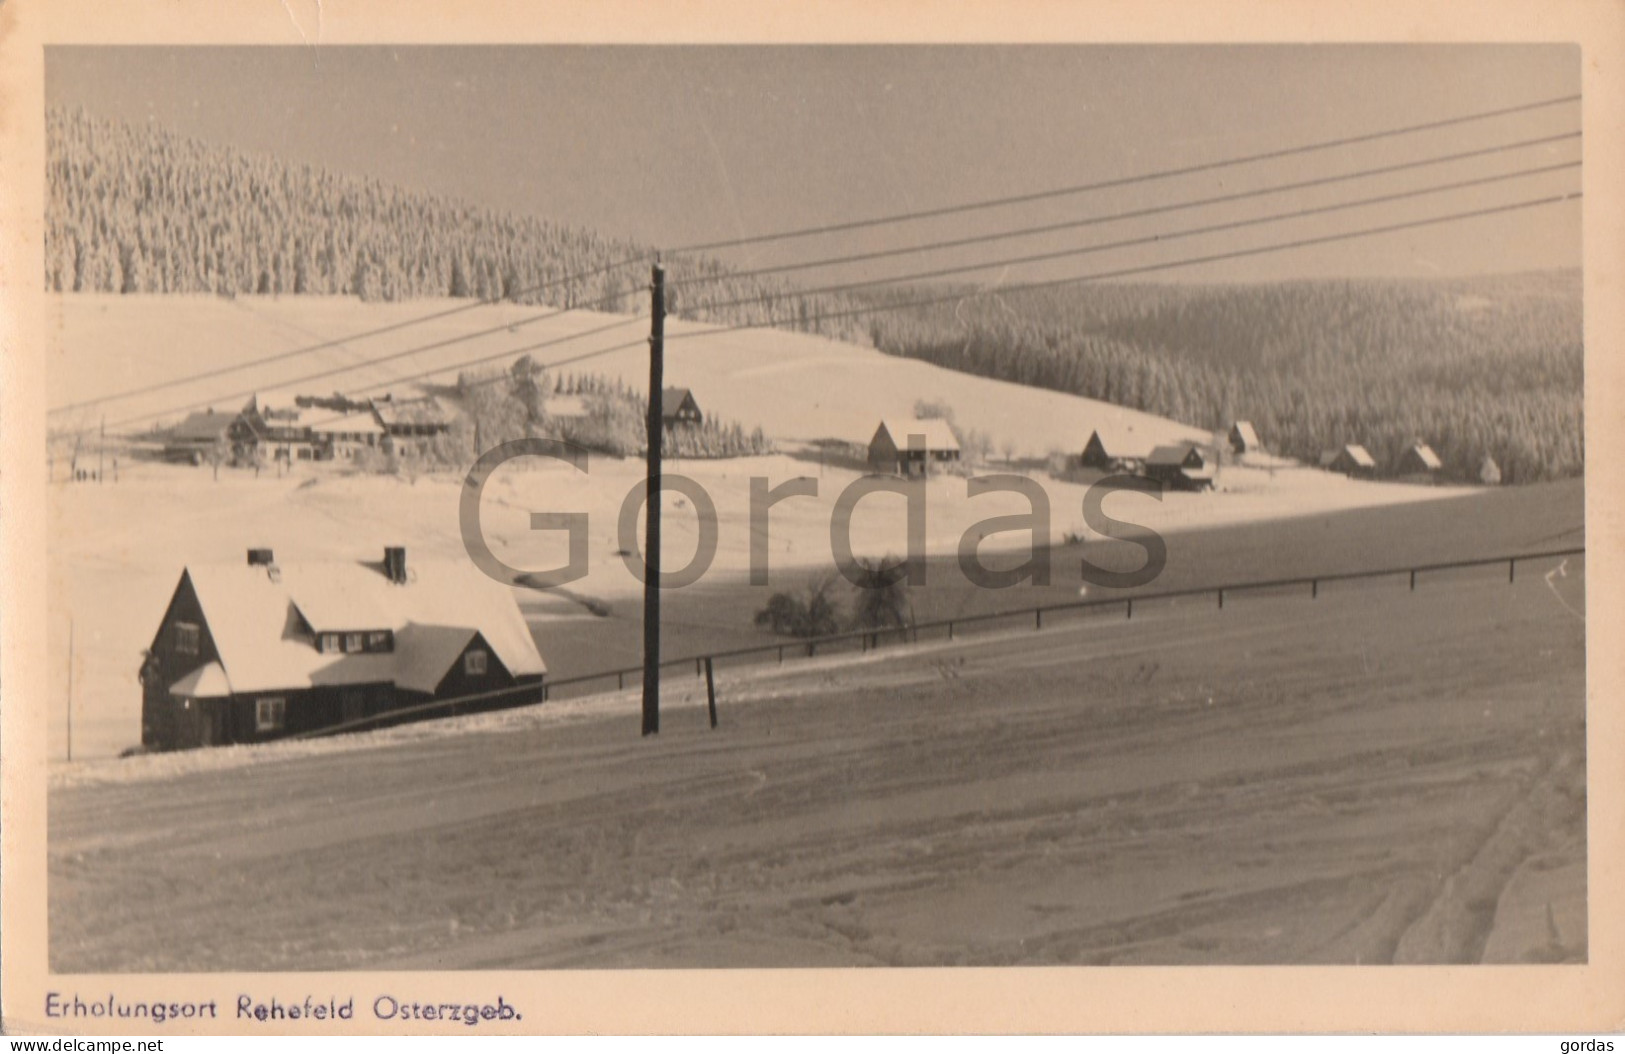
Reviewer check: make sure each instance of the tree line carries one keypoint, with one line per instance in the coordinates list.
(139, 209)
(1484, 366)
(1475, 367)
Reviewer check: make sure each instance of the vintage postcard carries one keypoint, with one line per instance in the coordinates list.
(871, 517)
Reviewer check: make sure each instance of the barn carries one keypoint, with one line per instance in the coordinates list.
(1351, 459)
(1182, 466)
(1111, 453)
(199, 437)
(1243, 438)
(1418, 460)
(910, 446)
(677, 407)
(256, 651)
(345, 434)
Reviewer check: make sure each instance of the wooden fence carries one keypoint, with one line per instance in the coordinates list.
(865, 640)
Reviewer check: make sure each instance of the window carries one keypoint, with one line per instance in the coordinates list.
(328, 642)
(187, 637)
(378, 640)
(474, 663)
(352, 642)
(270, 713)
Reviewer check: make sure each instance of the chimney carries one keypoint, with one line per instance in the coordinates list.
(260, 558)
(395, 564)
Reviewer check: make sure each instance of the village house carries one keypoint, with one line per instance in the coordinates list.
(1182, 466)
(910, 446)
(1111, 453)
(677, 407)
(1243, 438)
(270, 431)
(199, 438)
(1489, 473)
(410, 424)
(1417, 461)
(346, 434)
(1351, 459)
(256, 651)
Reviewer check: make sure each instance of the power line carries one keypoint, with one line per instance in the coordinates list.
(1090, 221)
(1154, 238)
(323, 374)
(363, 335)
(853, 286)
(500, 377)
(1206, 166)
(853, 225)
(1130, 271)
(850, 226)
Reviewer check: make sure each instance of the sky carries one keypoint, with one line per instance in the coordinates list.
(673, 145)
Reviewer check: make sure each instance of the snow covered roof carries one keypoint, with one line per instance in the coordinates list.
(1171, 454)
(205, 427)
(1426, 456)
(1117, 444)
(672, 400)
(326, 422)
(938, 436)
(262, 620)
(425, 411)
(1244, 431)
(205, 682)
(1357, 455)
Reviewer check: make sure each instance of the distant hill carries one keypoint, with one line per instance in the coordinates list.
(1474, 366)
(139, 209)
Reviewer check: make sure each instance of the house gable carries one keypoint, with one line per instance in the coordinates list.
(460, 679)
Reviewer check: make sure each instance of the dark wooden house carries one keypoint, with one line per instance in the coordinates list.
(910, 446)
(1351, 459)
(1182, 466)
(1418, 461)
(256, 651)
(1111, 454)
(1243, 438)
(677, 407)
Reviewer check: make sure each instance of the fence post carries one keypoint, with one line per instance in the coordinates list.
(1413, 580)
(620, 678)
(696, 667)
(710, 692)
(1130, 607)
(781, 655)
(1314, 588)
(950, 629)
(1512, 571)
(1038, 618)
(1221, 600)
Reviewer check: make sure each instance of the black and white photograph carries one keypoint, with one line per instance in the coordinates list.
(584, 506)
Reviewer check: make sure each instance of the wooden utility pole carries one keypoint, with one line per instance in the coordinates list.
(651, 511)
(70, 688)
